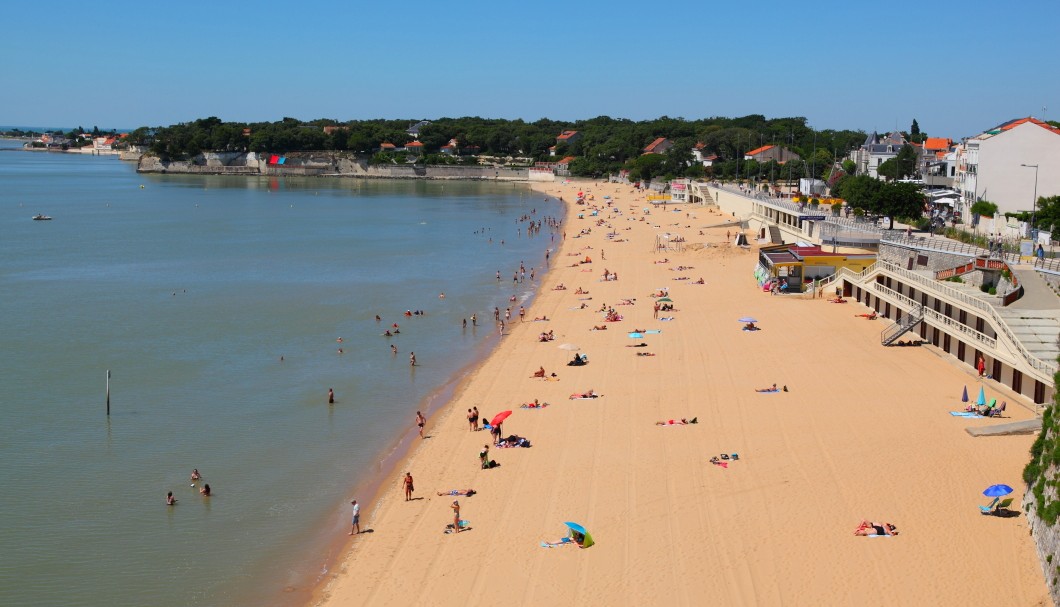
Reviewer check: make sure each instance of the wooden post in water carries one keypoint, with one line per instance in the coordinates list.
(108, 392)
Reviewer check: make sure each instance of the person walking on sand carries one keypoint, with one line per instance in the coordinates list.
(474, 420)
(470, 421)
(420, 421)
(407, 483)
(522, 314)
(331, 396)
(355, 527)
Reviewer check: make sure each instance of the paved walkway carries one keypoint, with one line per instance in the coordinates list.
(1036, 293)
(1030, 426)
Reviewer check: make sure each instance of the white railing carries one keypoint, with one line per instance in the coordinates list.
(936, 317)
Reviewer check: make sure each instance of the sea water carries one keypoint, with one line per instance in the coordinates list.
(188, 290)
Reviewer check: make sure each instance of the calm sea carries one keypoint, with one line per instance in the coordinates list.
(189, 290)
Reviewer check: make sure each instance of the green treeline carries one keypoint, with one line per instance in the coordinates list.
(606, 145)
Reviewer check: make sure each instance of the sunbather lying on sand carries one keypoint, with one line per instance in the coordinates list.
(559, 287)
(641, 345)
(679, 422)
(512, 441)
(645, 354)
(627, 302)
(575, 539)
(599, 328)
(467, 492)
(537, 318)
(533, 405)
(773, 389)
(581, 291)
(587, 394)
(837, 300)
(870, 528)
(868, 316)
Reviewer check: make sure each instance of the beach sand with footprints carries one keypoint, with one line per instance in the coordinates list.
(863, 433)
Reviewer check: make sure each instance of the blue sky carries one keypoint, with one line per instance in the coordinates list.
(957, 67)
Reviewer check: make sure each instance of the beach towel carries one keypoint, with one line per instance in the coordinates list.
(463, 525)
(963, 414)
(653, 332)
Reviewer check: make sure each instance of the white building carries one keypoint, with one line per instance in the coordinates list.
(875, 151)
(990, 166)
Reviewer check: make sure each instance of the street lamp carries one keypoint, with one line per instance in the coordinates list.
(1034, 202)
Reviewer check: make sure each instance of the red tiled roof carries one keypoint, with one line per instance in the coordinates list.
(566, 160)
(1044, 125)
(566, 135)
(938, 143)
(386, 144)
(700, 145)
(414, 144)
(757, 151)
(651, 146)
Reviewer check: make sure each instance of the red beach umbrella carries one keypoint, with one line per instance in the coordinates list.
(500, 417)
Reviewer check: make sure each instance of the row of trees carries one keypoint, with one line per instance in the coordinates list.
(606, 144)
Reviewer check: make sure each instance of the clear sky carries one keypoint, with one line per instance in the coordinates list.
(957, 67)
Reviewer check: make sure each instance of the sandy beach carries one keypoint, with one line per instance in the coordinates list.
(863, 432)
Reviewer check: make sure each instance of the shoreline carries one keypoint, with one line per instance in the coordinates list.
(437, 408)
(406, 446)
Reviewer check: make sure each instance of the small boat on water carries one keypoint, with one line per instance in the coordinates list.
(40, 217)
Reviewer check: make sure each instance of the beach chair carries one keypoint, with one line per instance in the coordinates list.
(998, 411)
(1003, 505)
(989, 508)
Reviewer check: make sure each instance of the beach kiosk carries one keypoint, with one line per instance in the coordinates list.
(799, 266)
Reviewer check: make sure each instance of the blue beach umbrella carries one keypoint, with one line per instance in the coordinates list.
(982, 397)
(997, 490)
(588, 541)
(964, 397)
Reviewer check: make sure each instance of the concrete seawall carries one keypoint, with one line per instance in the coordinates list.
(323, 164)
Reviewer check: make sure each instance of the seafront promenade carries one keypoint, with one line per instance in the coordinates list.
(863, 432)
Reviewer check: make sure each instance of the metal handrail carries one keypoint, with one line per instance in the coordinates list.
(945, 245)
(938, 317)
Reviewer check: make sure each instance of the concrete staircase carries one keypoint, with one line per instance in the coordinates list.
(775, 236)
